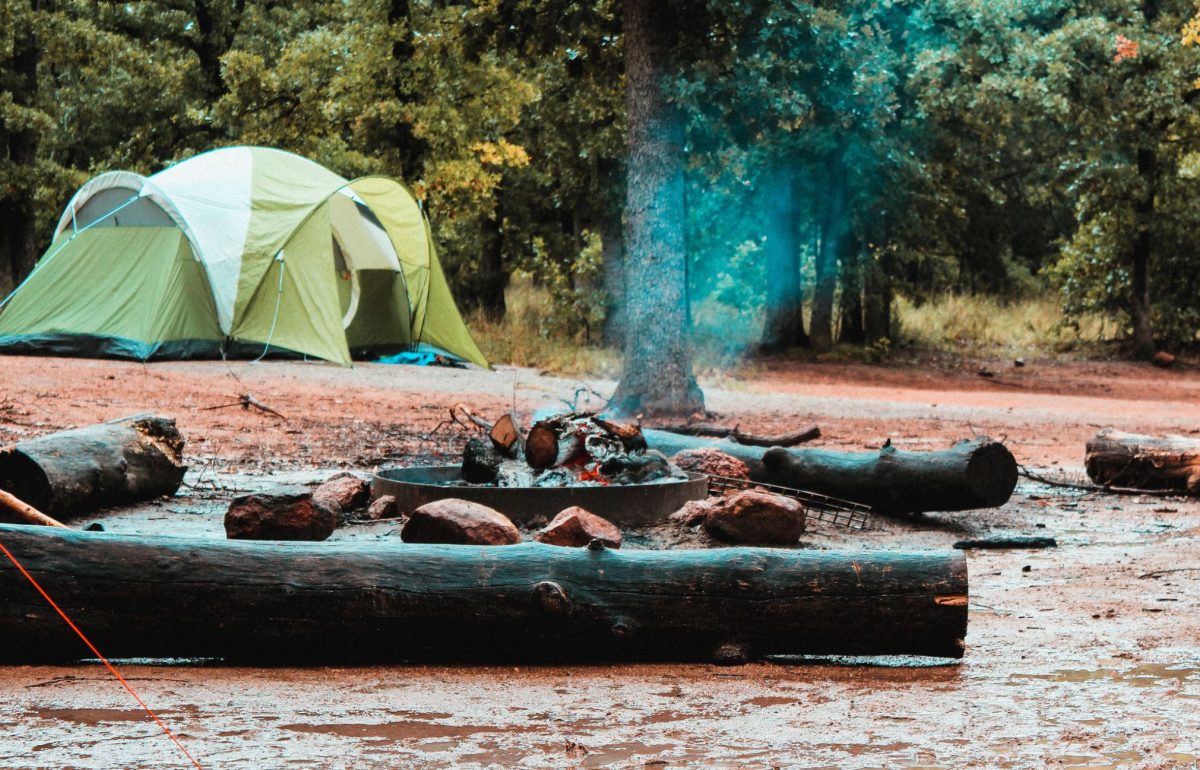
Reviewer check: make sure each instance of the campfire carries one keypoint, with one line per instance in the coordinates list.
(566, 450)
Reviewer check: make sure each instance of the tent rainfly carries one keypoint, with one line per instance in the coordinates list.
(238, 251)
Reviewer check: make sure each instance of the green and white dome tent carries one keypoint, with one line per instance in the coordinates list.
(240, 249)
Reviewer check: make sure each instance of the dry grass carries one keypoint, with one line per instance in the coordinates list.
(526, 337)
(978, 324)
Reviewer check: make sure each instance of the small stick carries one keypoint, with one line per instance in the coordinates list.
(1023, 471)
(245, 401)
(27, 512)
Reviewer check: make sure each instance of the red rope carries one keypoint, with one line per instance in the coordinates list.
(96, 652)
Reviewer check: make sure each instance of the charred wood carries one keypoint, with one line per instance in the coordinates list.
(1144, 462)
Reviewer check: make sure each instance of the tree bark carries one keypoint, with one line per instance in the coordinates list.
(80, 471)
(493, 278)
(1130, 460)
(613, 253)
(657, 376)
(18, 234)
(784, 327)
(147, 596)
(833, 231)
(1140, 311)
(975, 473)
(850, 329)
(877, 313)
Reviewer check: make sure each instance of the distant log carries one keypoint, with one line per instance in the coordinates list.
(378, 601)
(79, 471)
(735, 434)
(1134, 461)
(974, 473)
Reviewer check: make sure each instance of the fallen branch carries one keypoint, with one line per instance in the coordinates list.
(1026, 473)
(735, 434)
(1160, 572)
(1006, 541)
(473, 418)
(245, 401)
(27, 512)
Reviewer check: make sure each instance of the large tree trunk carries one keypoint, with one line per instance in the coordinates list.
(657, 376)
(975, 473)
(80, 471)
(784, 327)
(18, 230)
(613, 253)
(1144, 462)
(1140, 311)
(158, 597)
(493, 279)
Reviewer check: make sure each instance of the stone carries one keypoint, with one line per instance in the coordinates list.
(1163, 359)
(344, 492)
(754, 516)
(382, 507)
(711, 462)
(693, 513)
(460, 522)
(576, 528)
(283, 513)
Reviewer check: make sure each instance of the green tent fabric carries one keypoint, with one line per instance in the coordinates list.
(243, 249)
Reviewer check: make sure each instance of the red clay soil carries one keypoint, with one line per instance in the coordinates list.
(1085, 655)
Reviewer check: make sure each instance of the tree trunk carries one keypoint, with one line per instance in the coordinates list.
(877, 313)
(784, 327)
(160, 597)
(833, 231)
(1144, 462)
(80, 471)
(851, 330)
(657, 376)
(401, 139)
(1140, 310)
(493, 278)
(18, 233)
(976, 473)
(613, 254)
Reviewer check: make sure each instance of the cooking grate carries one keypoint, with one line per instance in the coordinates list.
(831, 510)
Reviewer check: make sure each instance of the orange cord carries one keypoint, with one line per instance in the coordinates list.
(96, 652)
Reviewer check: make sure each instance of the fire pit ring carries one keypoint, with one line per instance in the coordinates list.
(629, 504)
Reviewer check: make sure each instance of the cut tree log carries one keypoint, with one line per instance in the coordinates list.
(974, 473)
(1135, 461)
(155, 597)
(79, 471)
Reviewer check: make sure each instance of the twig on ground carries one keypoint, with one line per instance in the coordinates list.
(245, 401)
(1023, 471)
(1160, 572)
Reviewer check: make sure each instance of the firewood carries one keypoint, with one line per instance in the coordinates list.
(78, 471)
(504, 433)
(976, 473)
(1144, 462)
(380, 601)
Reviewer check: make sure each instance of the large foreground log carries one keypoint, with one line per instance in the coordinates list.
(1144, 462)
(79, 471)
(974, 473)
(376, 601)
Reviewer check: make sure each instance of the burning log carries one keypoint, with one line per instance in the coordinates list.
(1144, 462)
(247, 601)
(974, 473)
(78, 471)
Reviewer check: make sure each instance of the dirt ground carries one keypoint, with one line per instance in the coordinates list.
(1082, 656)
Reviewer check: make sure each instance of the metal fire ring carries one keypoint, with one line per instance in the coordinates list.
(629, 504)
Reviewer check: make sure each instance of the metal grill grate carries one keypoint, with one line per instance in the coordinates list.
(831, 510)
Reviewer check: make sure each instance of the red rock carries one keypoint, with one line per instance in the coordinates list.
(382, 507)
(344, 492)
(461, 522)
(754, 516)
(575, 528)
(1163, 359)
(284, 513)
(711, 462)
(692, 513)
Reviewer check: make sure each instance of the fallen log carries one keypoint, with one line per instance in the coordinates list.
(1001, 542)
(974, 473)
(736, 435)
(25, 512)
(79, 471)
(1114, 458)
(379, 601)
